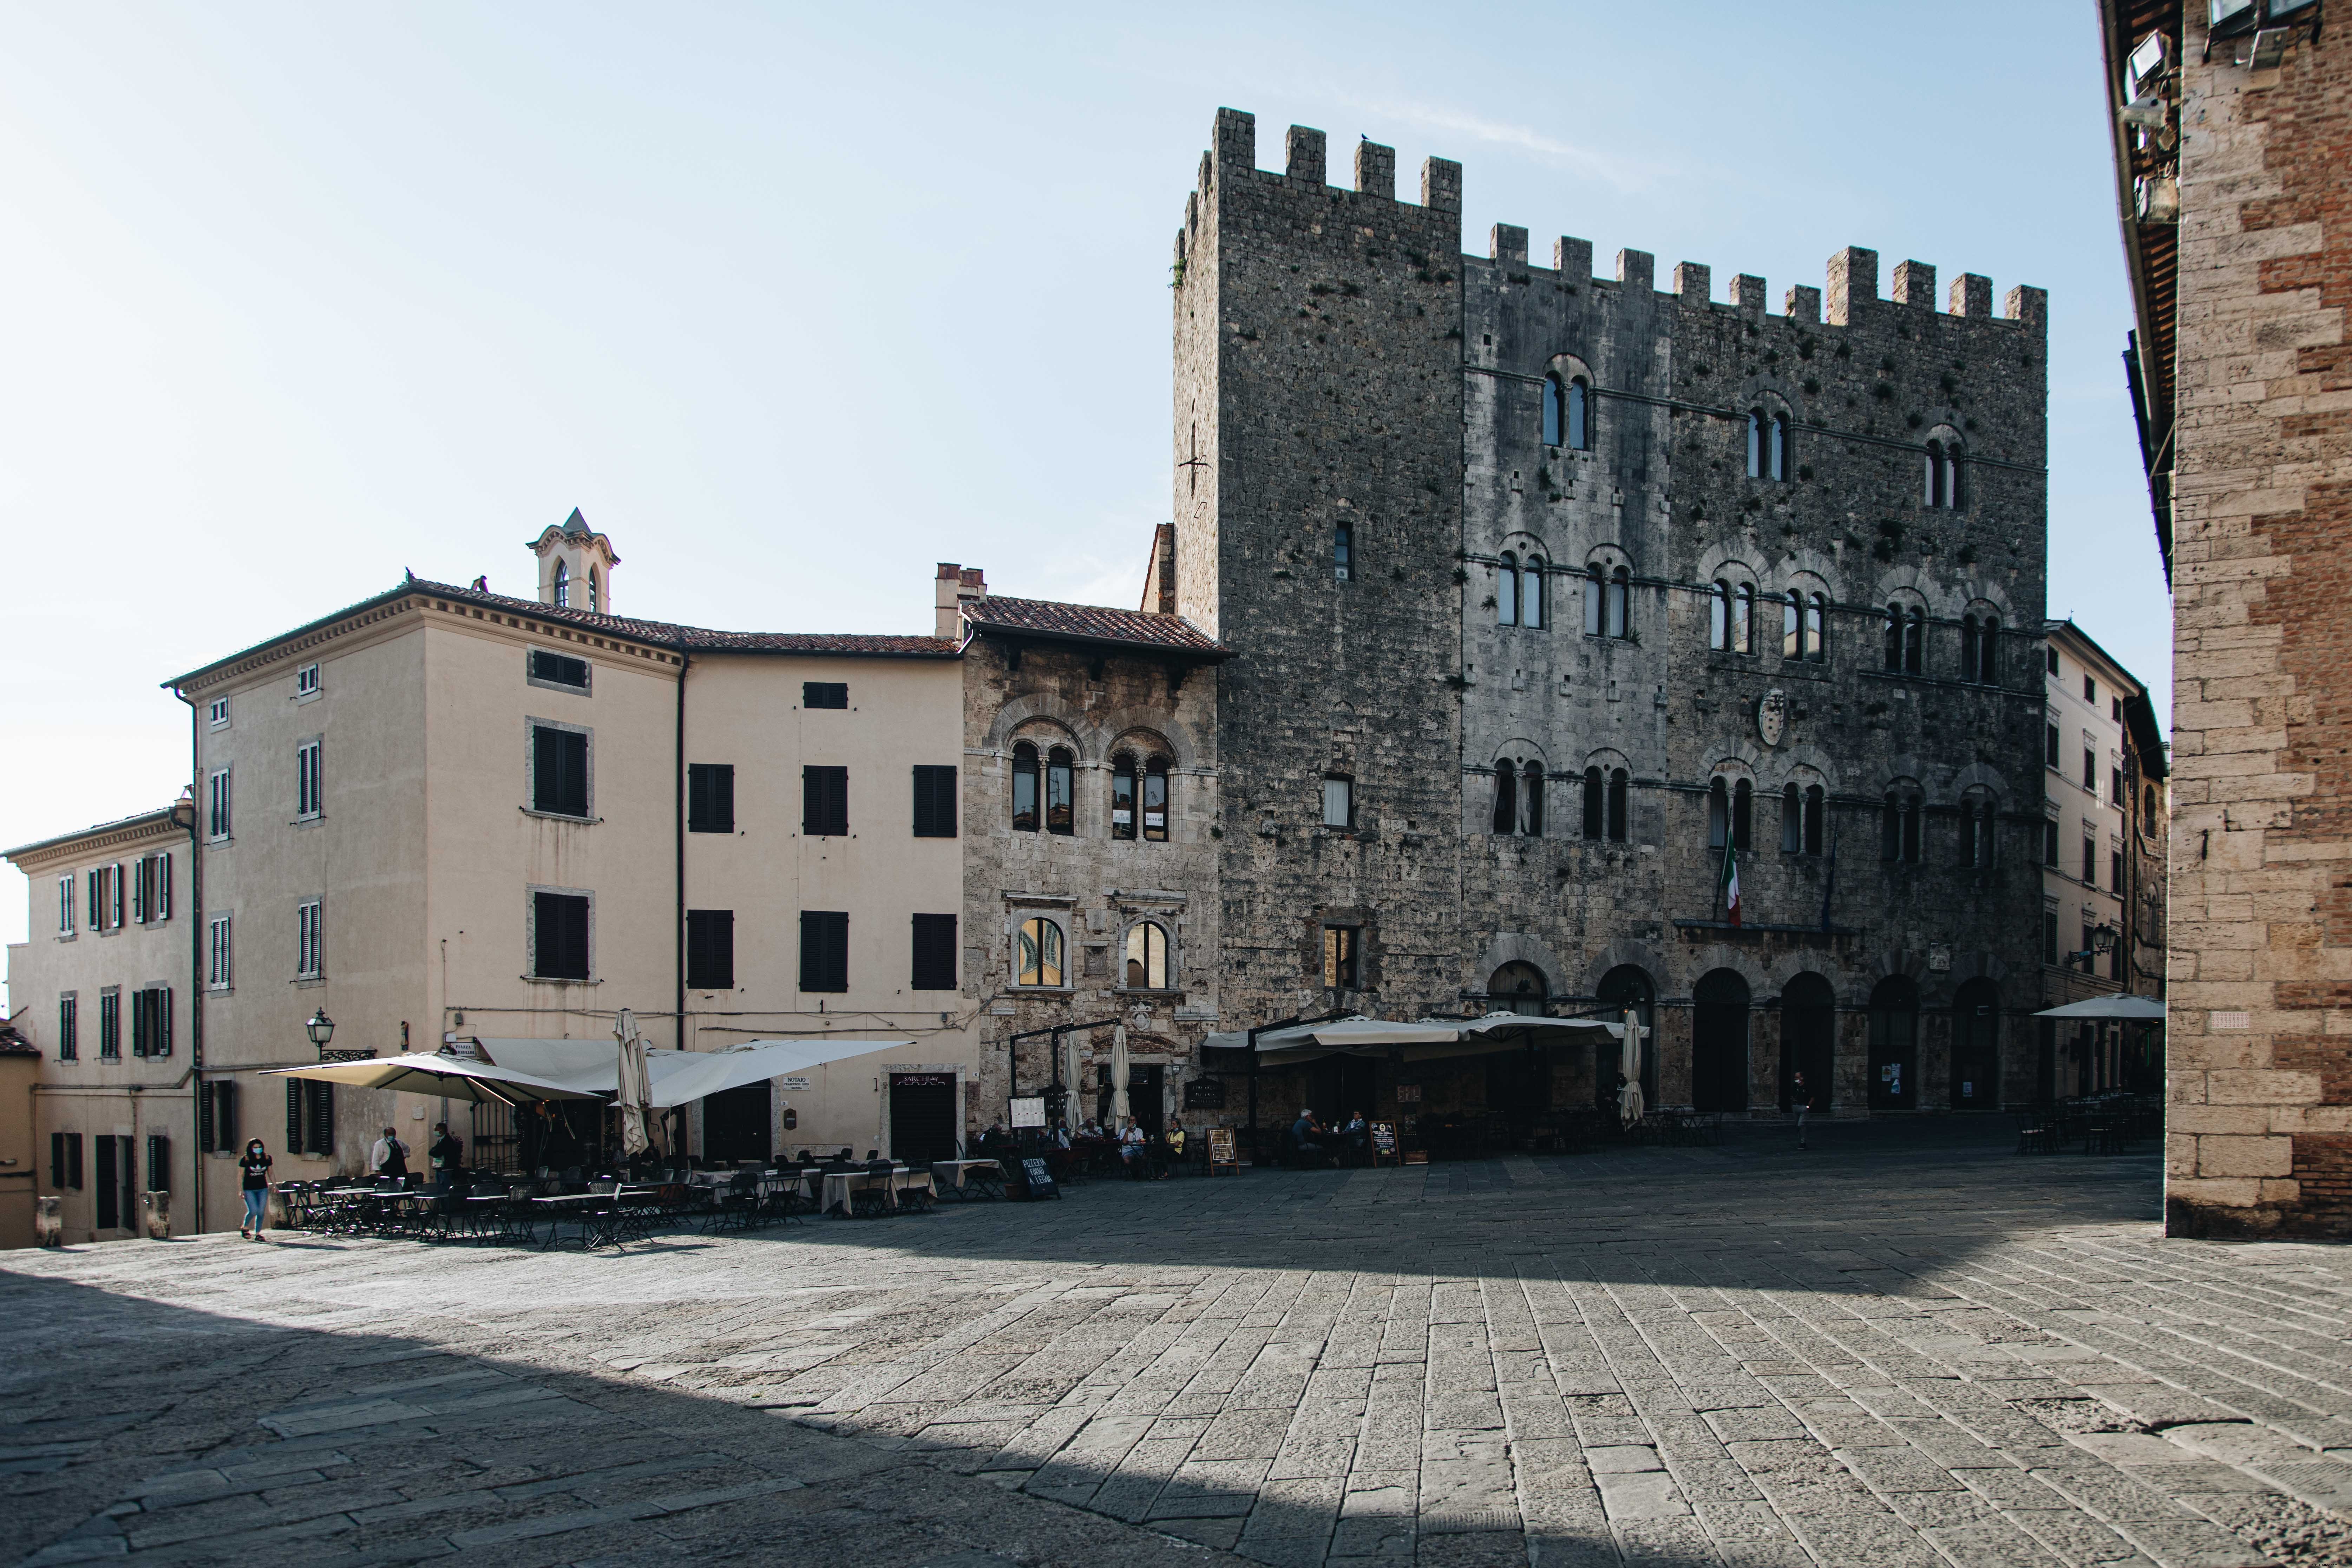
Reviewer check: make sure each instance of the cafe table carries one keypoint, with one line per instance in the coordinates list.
(967, 1178)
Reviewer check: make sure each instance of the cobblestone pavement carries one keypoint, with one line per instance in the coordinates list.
(1906, 1346)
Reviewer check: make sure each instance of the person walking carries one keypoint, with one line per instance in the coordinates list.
(390, 1155)
(447, 1154)
(255, 1166)
(1801, 1094)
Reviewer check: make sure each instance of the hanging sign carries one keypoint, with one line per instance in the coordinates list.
(1028, 1111)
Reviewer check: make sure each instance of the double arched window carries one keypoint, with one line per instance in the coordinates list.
(1607, 597)
(1147, 956)
(1980, 648)
(1518, 798)
(1519, 591)
(1941, 479)
(1976, 830)
(1731, 616)
(1730, 812)
(1801, 810)
(1025, 788)
(1037, 953)
(1767, 445)
(1568, 413)
(1604, 804)
(1139, 798)
(1906, 637)
(1057, 814)
(1899, 832)
(1803, 621)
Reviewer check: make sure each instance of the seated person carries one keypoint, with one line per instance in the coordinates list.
(1304, 1134)
(1130, 1147)
(1358, 1132)
(1174, 1137)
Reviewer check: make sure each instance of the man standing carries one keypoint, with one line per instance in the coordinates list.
(1801, 1094)
(390, 1155)
(447, 1154)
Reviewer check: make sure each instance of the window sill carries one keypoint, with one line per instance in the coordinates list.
(310, 696)
(1163, 992)
(307, 981)
(220, 990)
(1043, 991)
(559, 817)
(220, 841)
(555, 980)
(312, 820)
(564, 687)
(68, 936)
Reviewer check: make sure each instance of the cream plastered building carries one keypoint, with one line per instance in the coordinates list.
(101, 989)
(445, 815)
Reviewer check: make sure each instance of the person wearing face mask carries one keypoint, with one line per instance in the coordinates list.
(255, 1166)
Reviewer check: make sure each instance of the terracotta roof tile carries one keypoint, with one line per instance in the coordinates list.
(1090, 623)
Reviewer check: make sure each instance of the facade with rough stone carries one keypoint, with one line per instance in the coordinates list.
(2234, 160)
(1566, 578)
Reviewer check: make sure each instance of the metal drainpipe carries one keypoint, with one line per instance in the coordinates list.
(196, 963)
(678, 784)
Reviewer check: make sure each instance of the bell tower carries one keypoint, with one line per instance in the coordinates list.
(575, 567)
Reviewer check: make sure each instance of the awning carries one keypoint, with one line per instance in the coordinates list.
(1427, 1039)
(679, 1077)
(448, 1078)
(2134, 1009)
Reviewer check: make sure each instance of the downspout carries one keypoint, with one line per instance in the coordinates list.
(195, 962)
(677, 784)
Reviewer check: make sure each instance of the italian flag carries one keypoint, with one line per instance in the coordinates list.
(1730, 883)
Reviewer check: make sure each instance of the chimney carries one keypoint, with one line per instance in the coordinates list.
(954, 587)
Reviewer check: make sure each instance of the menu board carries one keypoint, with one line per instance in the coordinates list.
(1028, 1111)
(1384, 1137)
(1221, 1152)
(1037, 1182)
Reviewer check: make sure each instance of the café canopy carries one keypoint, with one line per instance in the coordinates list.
(679, 1077)
(1426, 1039)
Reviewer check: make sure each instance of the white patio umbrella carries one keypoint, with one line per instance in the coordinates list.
(635, 1083)
(2129, 1009)
(1628, 1098)
(451, 1077)
(1119, 1106)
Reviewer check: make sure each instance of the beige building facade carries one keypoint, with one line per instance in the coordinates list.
(101, 990)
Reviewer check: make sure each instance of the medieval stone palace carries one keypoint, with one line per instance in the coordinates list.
(1521, 639)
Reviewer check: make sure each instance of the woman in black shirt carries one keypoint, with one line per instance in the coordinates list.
(255, 1164)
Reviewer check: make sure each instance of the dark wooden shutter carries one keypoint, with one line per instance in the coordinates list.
(317, 1117)
(824, 694)
(560, 770)
(293, 1116)
(560, 936)
(208, 1139)
(162, 888)
(109, 1182)
(825, 802)
(158, 1163)
(710, 797)
(934, 803)
(824, 949)
(162, 1044)
(711, 949)
(58, 1160)
(935, 952)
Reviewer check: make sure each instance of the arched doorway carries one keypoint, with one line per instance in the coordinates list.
(1720, 1042)
(1808, 1041)
(1976, 1046)
(1895, 1044)
(1517, 988)
(1628, 985)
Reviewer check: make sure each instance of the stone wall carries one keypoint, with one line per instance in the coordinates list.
(2261, 975)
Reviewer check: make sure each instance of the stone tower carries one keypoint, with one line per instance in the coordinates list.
(1318, 433)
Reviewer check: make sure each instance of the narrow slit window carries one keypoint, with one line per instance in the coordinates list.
(1155, 800)
(1531, 800)
(1025, 788)
(1792, 626)
(1343, 550)
(1592, 596)
(1060, 792)
(1718, 616)
(1579, 415)
(1506, 591)
(1792, 820)
(1507, 797)
(1718, 813)
(1817, 609)
(1743, 814)
(1816, 808)
(1743, 618)
(1531, 594)
(1776, 457)
(1123, 797)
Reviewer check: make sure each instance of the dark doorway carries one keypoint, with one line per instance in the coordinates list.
(736, 1124)
(922, 1117)
(1628, 985)
(1337, 1087)
(1720, 1042)
(1518, 1089)
(1145, 1096)
(1808, 1041)
(1976, 1046)
(114, 1193)
(2045, 1060)
(1895, 1044)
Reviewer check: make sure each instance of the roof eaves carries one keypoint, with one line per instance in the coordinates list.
(144, 818)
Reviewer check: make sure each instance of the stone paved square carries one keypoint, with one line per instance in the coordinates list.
(1905, 1345)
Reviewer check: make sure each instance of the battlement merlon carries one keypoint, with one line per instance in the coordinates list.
(1233, 147)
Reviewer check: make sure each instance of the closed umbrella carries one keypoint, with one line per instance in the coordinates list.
(636, 1089)
(1628, 1098)
(1119, 1107)
(1070, 1073)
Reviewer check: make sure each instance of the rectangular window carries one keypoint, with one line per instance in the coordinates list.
(310, 940)
(935, 801)
(824, 694)
(549, 668)
(109, 1023)
(2053, 660)
(68, 1027)
(217, 714)
(65, 906)
(2090, 771)
(309, 1117)
(220, 955)
(1343, 548)
(1341, 969)
(935, 953)
(825, 802)
(559, 772)
(2050, 746)
(2115, 796)
(2090, 692)
(2050, 936)
(116, 895)
(824, 949)
(217, 1118)
(110, 1185)
(94, 880)
(306, 680)
(2115, 870)
(150, 1022)
(217, 805)
(1339, 802)
(710, 797)
(65, 1161)
(2090, 863)
(710, 949)
(159, 888)
(308, 785)
(158, 1163)
(2050, 845)
(558, 936)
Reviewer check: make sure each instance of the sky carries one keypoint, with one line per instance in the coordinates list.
(794, 301)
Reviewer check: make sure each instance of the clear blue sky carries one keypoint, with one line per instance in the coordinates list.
(795, 301)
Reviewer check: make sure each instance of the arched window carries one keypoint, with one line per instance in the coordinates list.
(1776, 456)
(1596, 809)
(1038, 952)
(1952, 474)
(1743, 814)
(1059, 815)
(1555, 410)
(1506, 797)
(1755, 445)
(1343, 548)
(1718, 811)
(1620, 594)
(1718, 616)
(1989, 650)
(1517, 988)
(1968, 647)
(1122, 796)
(1531, 800)
(562, 586)
(1792, 820)
(1155, 799)
(1743, 618)
(1025, 788)
(1895, 637)
(1816, 809)
(595, 591)
(1817, 612)
(1932, 490)
(1147, 956)
(1792, 625)
(1593, 583)
(1531, 592)
(1506, 591)
(1976, 832)
(1618, 784)
(1894, 1041)
(1899, 832)
(1579, 415)
(1915, 640)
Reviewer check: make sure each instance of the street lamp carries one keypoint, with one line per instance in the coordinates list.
(320, 1029)
(2103, 938)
